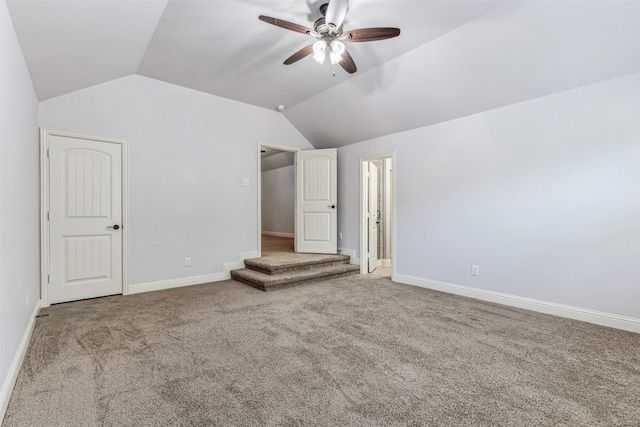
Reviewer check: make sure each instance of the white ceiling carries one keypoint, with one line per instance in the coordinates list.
(453, 58)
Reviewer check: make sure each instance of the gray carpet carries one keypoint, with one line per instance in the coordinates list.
(359, 350)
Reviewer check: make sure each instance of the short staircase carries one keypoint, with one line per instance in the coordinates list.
(283, 270)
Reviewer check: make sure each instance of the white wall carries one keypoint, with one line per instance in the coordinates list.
(188, 152)
(278, 199)
(19, 202)
(544, 196)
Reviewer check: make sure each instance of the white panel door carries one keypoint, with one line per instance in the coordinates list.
(372, 216)
(316, 201)
(85, 218)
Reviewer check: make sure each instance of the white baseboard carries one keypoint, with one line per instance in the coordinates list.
(278, 234)
(160, 285)
(351, 253)
(227, 267)
(16, 364)
(193, 280)
(597, 317)
(386, 263)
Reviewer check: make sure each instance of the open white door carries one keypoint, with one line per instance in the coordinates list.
(85, 218)
(316, 201)
(373, 216)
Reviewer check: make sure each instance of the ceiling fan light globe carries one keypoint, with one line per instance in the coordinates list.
(337, 49)
(319, 51)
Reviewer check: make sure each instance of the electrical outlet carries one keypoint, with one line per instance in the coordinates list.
(245, 182)
(340, 235)
(187, 262)
(475, 270)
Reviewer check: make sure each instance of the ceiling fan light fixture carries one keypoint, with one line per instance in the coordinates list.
(330, 35)
(337, 49)
(319, 51)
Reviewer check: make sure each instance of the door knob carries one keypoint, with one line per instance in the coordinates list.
(332, 206)
(115, 227)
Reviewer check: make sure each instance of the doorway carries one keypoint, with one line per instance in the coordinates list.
(313, 190)
(276, 198)
(377, 203)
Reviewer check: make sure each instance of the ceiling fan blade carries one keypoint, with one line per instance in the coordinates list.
(372, 34)
(336, 12)
(305, 51)
(347, 63)
(284, 24)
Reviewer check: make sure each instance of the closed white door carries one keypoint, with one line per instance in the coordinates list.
(85, 218)
(372, 216)
(316, 201)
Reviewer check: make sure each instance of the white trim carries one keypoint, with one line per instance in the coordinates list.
(352, 253)
(44, 223)
(16, 364)
(597, 317)
(125, 217)
(259, 184)
(364, 199)
(386, 263)
(159, 285)
(193, 280)
(227, 267)
(278, 234)
(44, 207)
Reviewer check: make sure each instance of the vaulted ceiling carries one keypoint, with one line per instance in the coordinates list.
(452, 59)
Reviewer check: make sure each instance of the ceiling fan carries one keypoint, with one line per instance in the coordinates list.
(330, 35)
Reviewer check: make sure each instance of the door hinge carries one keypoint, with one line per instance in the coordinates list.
(48, 278)
(48, 154)
(48, 218)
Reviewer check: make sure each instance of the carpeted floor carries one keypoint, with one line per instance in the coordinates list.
(360, 350)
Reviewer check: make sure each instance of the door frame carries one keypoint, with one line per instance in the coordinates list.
(44, 207)
(364, 200)
(259, 185)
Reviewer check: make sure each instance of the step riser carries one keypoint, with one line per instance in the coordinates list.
(298, 268)
(279, 272)
(289, 285)
(293, 263)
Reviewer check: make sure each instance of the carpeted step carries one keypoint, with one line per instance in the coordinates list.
(269, 282)
(294, 262)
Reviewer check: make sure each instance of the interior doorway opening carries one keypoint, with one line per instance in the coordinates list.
(276, 198)
(377, 203)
